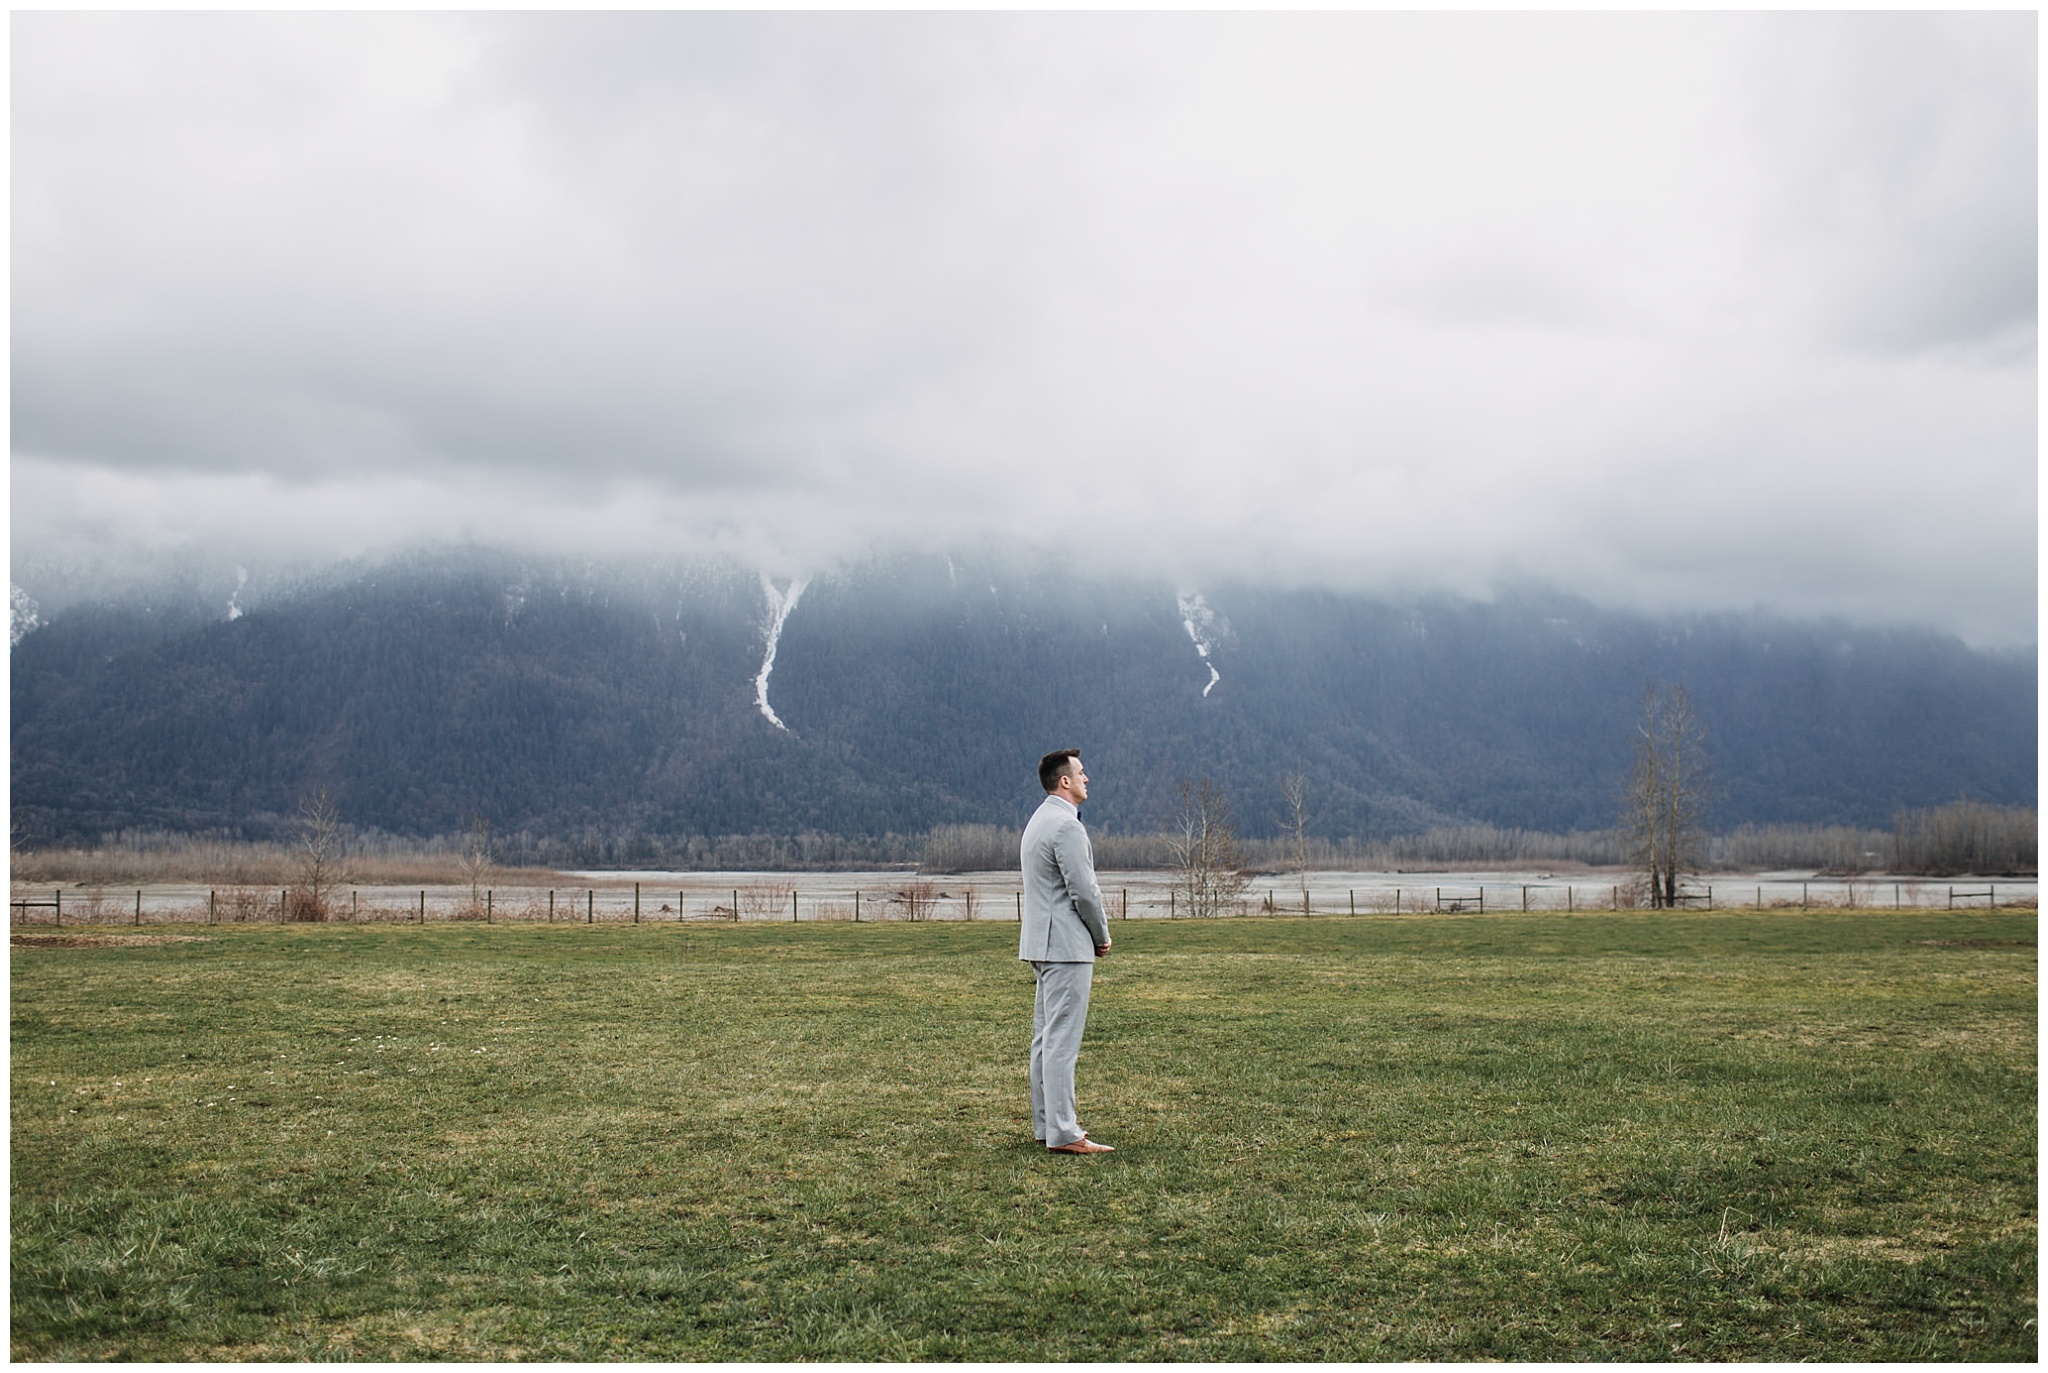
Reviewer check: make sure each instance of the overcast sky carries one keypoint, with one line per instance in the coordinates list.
(1671, 311)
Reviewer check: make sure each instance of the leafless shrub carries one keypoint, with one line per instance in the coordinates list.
(303, 904)
(915, 899)
(396, 915)
(239, 903)
(766, 900)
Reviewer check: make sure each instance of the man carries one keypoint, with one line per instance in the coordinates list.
(1064, 932)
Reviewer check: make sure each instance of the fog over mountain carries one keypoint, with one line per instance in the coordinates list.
(664, 423)
(1680, 314)
(594, 710)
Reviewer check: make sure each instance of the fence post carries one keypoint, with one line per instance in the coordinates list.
(856, 905)
(355, 910)
(590, 907)
(551, 905)
(1482, 898)
(1802, 896)
(1951, 896)
(423, 905)
(1710, 896)
(280, 905)
(60, 905)
(1994, 897)
(735, 905)
(1614, 897)
(488, 903)
(1127, 903)
(138, 905)
(1567, 898)
(1895, 896)
(1352, 897)
(210, 894)
(792, 906)
(1304, 900)
(1759, 896)
(679, 906)
(1397, 901)
(1525, 897)
(636, 903)
(1171, 912)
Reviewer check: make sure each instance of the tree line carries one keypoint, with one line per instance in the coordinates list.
(1965, 836)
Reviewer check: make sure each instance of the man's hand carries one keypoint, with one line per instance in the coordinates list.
(1102, 949)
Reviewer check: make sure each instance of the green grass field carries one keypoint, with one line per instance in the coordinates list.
(1620, 1136)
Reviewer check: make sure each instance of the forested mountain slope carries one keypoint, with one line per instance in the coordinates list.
(581, 702)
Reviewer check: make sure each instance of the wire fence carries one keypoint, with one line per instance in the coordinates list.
(922, 900)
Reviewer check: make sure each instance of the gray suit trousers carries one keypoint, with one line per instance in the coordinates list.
(1057, 1019)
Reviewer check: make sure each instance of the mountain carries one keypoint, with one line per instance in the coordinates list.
(575, 702)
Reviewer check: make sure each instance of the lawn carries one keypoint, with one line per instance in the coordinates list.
(1617, 1136)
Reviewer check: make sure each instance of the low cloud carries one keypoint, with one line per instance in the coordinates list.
(1673, 311)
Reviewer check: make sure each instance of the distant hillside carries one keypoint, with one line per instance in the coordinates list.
(588, 706)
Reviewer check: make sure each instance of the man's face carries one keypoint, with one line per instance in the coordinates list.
(1074, 785)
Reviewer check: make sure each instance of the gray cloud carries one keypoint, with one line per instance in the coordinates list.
(1669, 310)
(1900, 199)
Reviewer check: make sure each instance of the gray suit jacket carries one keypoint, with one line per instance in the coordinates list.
(1063, 919)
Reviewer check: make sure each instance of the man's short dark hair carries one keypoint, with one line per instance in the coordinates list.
(1053, 766)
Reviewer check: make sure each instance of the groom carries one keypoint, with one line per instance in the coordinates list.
(1064, 932)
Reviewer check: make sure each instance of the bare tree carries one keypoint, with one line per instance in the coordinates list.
(1294, 791)
(1665, 800)
(1207, 872)
(476, 861)
(319, 854)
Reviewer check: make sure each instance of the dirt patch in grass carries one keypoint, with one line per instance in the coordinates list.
(95, 941)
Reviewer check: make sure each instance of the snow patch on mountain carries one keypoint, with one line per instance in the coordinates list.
(1205, 628)
(235, 598)
(780, 603)
(24, 615)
